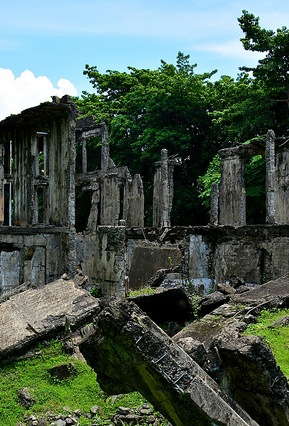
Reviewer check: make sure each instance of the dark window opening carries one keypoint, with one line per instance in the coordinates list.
(41, 157)
(8, 158)
(93, 152)
(82, 208)
(255, 182)
(40, 205)
(88, 156)
(8, 204)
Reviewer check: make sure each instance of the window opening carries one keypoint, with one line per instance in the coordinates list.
(40, 204)
(41, 158)
(8, 183)
(8, 159)
(8, 204)
(255, 176)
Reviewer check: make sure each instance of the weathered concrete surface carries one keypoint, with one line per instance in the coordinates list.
(130, 352)
(243, 365)
(145, 259)
(273, 294)
(232, 189)
(101, 256)
(26, 317)
(32, 256)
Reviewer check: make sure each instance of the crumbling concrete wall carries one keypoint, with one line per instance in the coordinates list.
(116, 195)
(101, 256)
(229, 202)
(145, 258)
(254, 254)
(31, 259)
(43, 164)
(208, 255)
(37, 195)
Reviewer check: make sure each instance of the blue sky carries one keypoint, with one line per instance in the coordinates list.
(44, 45)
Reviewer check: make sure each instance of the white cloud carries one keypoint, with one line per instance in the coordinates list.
(27, 90)
(230, 48)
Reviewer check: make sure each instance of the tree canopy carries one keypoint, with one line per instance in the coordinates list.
(190, 114)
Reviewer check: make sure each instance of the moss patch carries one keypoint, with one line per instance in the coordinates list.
(276, 336)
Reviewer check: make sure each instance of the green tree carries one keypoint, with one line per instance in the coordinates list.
(273, 70)
(241, 109)
(147, 110)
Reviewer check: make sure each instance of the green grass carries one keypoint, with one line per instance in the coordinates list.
(78, 392)
(277, 337)
(141, 291)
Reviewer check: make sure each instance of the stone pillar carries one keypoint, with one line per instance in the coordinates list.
(93, 215)
(84, 156)
(134, 202)
(232, 206)
(1, 184)
(71, 255)
(105, 152)
(110, 201)
(214, 211)
(162, 199)
(270, 177)
(282, 184)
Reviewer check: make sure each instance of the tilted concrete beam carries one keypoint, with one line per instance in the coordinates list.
(130, 352)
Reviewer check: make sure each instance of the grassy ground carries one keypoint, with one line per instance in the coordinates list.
(276, 337)
(80, 392)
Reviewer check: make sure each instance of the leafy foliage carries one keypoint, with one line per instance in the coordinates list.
(147, 110)
(212, 176)
(275, 336)
(273, 70)
(173, 107)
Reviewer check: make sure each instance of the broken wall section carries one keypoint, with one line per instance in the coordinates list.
(207, 256)
(164, 189)
(31, 259)
(102, 257)
(115, 194)
(228, 206)
(282, 184)
(37, 195)
(38, 161)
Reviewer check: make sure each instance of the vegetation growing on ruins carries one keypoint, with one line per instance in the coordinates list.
(79, 392)
(273, 326)
(191, 114)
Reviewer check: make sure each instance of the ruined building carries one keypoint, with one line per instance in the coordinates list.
(45, 177)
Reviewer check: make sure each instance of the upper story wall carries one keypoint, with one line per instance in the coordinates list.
(37, 165)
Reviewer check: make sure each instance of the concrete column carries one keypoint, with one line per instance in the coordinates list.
(1, 184)
(165, 189)
(232, 206)
(110, 202)
(105, 152)
(162, 197)
(134, 202)
(270, 177)
(84, 156)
